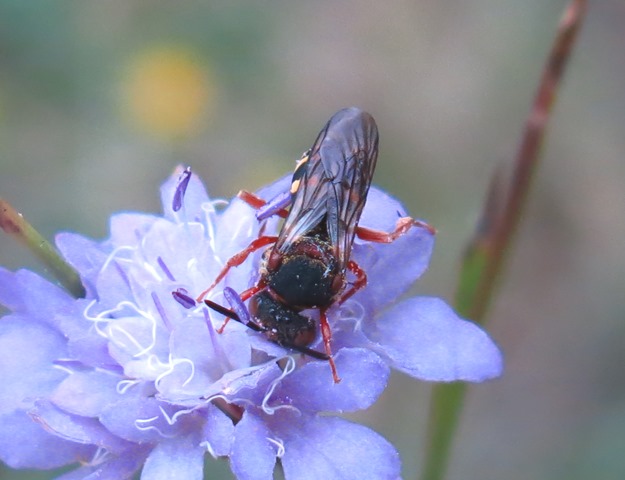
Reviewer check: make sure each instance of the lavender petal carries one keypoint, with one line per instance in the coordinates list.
(424, 338)
(253, 456)
(180, 457)
(363, 378)
(87, 393)
(27, 353)
(330, 447)
(24, 444)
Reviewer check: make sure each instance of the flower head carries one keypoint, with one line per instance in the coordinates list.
(134, 377)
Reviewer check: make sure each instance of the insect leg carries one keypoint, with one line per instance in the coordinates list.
(326, 334)
(401, 227)
(237, 260)
(276, 206)
(360, 282)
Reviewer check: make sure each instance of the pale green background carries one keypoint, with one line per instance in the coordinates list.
(450, 84)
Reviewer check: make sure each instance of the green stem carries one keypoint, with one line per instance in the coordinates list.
(445, 407)
(485, 256)
(14, 224)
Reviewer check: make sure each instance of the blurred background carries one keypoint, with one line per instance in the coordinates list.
(100, 100)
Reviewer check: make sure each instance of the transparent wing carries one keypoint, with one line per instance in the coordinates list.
(331, 185)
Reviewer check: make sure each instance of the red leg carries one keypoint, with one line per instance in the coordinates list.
(237, 260)
(256, 202)
(360, 282)
(401, 227)
(326, 333)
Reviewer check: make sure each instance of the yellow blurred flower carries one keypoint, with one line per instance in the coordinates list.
(168, 92)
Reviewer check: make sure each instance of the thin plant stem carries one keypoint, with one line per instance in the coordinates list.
(14, 224)
(485, 256)
(495, 240)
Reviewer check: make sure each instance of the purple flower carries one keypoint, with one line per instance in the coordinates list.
(132, 377)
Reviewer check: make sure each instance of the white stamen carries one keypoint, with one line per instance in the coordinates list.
(63, 369)
(171, 365)
(112, 256)
(99, 457)
(139, 426)
(142, 350)
(208, 448)
(174, 418)
(152, 271)
(288, 369)
(278, 443)
(123, 385)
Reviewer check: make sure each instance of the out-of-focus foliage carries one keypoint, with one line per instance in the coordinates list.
(449, 85)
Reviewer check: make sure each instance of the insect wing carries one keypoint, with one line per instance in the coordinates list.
(353, 146)
(333, 181)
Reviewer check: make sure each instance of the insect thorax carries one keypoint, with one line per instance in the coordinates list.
(307, 275)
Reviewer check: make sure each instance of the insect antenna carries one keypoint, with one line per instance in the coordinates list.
(231, 314)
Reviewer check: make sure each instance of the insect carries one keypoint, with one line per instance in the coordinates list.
(308, 262)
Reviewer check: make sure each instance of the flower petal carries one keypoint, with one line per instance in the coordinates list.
(381, 211)
(253, 456)
(330, 447)
(139, 344)
(27, 353)
(128, 228)
(77, 429)
(26, 292)
(84, 254)
(140, 418)
(115, 468)
(112, 287)
(180, 457)
(86, 393)
(424, 338)
(246, 385)
(199, 357)
(92, 350)
(24, 444)
(218, 432)
(363, 378)
(180, 253)
(237, 227)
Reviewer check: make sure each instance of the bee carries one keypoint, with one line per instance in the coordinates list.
(307, 264)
